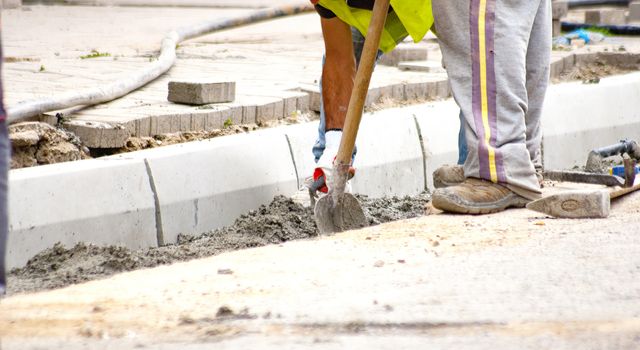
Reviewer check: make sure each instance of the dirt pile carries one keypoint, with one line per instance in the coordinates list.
(281, 221)
(36, 143)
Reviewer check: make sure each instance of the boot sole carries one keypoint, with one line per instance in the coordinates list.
(451, 205)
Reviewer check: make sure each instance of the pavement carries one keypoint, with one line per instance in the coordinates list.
(509, 280)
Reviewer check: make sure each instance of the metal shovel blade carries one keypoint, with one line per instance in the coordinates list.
(346, 214)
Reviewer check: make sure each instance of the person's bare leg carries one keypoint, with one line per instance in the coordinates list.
(339, 71)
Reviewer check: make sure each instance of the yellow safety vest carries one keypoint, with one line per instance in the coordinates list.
(409, 17)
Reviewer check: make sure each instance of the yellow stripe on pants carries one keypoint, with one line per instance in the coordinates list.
(483, 89)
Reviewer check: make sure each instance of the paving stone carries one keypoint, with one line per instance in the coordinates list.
(201, 93)
(198, 121)
(302, 102)
(415, 91)
(266, 111)
(556, 27)
(568, 62)
(249, 114)
(585, 58)
(559, 9)
(214, 120)
(422, 66)
(11, 4)
(161, 124)
(443, 90)
(398, 92)
(314, 96)
(143, 127)
(634, 11)
(608, 17)
(404, 52)
(99, 135)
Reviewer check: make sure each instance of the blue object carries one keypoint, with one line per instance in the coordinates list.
(619, 170)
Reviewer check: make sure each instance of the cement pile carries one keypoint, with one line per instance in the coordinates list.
(281, 221)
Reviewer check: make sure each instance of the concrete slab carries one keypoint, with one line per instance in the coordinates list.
(205, 185)
(611, 108)
(104, 202)
(439, 125)
(389, 160)
(512, 280)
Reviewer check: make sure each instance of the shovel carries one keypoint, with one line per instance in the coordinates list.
(339, 211)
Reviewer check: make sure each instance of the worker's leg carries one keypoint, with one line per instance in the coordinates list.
(485, 51)
(538, 56)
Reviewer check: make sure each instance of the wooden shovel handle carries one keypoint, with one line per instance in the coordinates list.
(361, 85)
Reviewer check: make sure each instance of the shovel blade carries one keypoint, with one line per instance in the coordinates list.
(346, 214)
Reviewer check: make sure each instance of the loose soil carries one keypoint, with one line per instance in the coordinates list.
(281, 221)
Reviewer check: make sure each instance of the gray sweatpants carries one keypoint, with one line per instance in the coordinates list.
(497, 57)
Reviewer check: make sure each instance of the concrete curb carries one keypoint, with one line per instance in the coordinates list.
(149, 197)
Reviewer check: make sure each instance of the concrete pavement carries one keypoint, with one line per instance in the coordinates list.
(508, 280)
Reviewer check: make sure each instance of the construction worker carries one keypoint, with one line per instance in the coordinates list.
(344, 23)
(496, 53)
(5, 149)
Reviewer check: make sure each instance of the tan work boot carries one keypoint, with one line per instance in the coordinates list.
(448, 175)
(476, 196)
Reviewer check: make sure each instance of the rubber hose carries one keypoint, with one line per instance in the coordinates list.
(166, 59)
(580, 3)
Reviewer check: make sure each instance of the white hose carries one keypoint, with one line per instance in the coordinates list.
(165, 61)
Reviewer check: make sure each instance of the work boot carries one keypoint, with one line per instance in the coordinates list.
(448, 175)
(476, 196)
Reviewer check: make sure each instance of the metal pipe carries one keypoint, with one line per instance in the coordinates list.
(166, 59)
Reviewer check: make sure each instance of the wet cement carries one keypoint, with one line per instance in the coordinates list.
(281, 221)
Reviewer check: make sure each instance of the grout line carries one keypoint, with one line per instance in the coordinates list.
(159, 228)
(424, 152)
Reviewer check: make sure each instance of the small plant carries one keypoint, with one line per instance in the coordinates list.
(42, 69)
(227, 123)
(95, 54)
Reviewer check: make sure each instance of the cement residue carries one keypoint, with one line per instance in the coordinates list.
(281, 221)
(36, 143)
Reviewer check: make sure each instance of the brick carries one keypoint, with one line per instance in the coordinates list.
(609, 17)
(634, 11)
(200, 93)
(404, 52)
